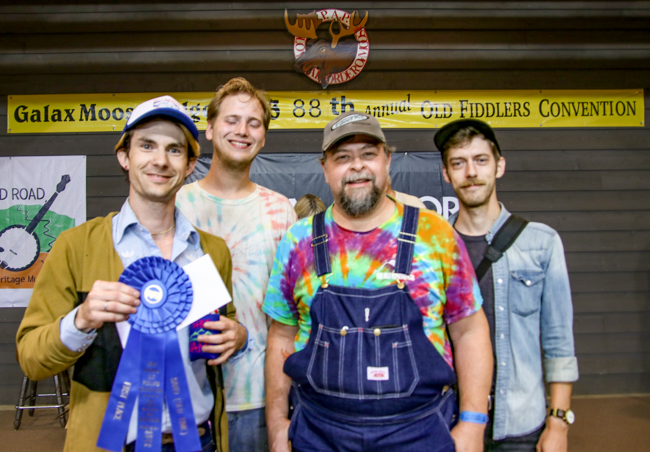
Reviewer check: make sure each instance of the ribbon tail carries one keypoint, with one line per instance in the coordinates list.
(124, 393)
(150, 400)
(179, 402)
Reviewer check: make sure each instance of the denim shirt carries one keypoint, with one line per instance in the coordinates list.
(532, 306)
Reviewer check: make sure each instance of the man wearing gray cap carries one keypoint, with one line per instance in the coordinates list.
(360, 296)
(76, 313)
(527, 298)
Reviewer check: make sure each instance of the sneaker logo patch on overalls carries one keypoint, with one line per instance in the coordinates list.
(378, 373)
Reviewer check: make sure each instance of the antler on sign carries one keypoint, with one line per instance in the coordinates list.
(307, 29)
(347, 31)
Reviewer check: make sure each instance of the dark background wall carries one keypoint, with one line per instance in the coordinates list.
(592, 185)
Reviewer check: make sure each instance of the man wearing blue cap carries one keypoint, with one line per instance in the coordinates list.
(526, 296)
(77, 311)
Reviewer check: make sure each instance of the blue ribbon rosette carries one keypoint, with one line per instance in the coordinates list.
(150, 367)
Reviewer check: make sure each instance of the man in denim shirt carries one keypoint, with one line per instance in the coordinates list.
(527, 299)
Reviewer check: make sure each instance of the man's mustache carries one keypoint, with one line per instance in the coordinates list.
(358, 177)
(470, 182)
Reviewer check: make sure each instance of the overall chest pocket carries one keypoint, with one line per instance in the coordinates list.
(526, 291)
(363, 363)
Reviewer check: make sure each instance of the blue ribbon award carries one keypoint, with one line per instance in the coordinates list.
(150, 368)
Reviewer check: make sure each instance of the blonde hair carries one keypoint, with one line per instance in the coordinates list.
(308, 205)
(235, 86)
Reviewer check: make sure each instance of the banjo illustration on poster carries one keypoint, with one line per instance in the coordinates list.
(20, 245)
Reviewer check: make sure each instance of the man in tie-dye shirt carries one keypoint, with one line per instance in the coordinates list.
(252, 220)
(362, 229)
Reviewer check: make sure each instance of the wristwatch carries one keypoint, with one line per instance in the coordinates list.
(567, 416)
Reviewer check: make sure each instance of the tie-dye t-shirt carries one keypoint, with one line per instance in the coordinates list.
(442, 281)
(252, 228)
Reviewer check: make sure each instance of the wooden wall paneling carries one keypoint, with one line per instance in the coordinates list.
(291, 141)
(615, 363)
(621, 383)
(627, 343)
(598, 261)
(267, 16)
(612, 322)
(629, 220)
(204, 80)
(282, 60)
(96, 207)
(574, 180)
(605, 281)
(597, 241)
(610, 301)
(281, 39)
(566, 200)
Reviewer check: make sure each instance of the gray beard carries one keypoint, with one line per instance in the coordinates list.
(359, 207)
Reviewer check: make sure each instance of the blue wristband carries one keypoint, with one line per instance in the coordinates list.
(471, 416)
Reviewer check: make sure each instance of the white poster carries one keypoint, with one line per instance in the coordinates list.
(40, 197)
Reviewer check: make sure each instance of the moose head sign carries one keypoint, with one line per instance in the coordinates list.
(331, 60)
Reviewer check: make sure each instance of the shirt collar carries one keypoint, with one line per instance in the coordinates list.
(184, 229)
(503, 216)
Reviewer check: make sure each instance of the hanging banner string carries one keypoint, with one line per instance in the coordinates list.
(67, 113)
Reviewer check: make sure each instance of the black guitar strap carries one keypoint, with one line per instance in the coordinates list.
(503, 239)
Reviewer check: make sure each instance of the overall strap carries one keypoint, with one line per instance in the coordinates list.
(406, 240)
(319, 244)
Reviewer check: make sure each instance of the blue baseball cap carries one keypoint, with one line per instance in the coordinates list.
(165, 107)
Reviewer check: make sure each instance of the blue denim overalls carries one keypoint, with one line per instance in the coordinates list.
(369, 379)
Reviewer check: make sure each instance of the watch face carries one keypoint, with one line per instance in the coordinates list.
(569, 417)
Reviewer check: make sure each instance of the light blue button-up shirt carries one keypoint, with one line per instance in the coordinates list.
(132, 241)
(532, 306)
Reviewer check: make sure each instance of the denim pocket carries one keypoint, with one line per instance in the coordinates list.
(363, 363)
(527, 287)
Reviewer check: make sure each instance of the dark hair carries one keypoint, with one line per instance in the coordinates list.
(462, 138)
(235, 86)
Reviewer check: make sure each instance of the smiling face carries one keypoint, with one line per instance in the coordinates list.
(237, 133)
(472, 170)
(357, 173)
(157, 161)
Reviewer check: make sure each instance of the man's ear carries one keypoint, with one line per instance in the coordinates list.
(190, 167)
(123, 158)
(501, 167)
(322, 165)
(209, 130)
(445, 175)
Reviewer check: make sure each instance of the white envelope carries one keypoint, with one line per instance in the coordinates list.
(210, 293)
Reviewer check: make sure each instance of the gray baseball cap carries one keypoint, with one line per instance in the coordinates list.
(351, 123)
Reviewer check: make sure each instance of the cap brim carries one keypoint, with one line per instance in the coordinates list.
(334, 140)
(175, 116)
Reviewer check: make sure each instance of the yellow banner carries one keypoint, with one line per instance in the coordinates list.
(314, 109)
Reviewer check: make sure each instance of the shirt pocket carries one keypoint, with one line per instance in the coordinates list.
(526, 287)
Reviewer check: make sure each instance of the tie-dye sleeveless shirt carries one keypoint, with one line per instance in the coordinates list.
(442, 281)
(252, 228)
